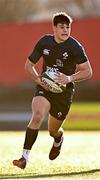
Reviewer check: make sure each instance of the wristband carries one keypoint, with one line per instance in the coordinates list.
(69, 79)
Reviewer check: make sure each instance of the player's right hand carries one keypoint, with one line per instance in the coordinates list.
(41, 83)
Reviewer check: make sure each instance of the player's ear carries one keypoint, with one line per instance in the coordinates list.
(54, 28)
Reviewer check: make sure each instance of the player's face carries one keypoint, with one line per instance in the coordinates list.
(62, 32)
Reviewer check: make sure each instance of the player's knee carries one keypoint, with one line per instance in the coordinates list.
(37, 117)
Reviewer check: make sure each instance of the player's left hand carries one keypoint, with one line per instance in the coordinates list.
(62, 78)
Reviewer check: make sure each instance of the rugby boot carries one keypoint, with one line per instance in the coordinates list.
(56, 148)
(21, 163)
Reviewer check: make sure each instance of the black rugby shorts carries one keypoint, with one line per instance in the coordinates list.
(60, 102)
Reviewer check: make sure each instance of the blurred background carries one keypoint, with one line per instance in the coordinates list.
(22, 23)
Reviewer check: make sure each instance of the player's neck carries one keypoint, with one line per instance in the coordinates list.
(59, 40)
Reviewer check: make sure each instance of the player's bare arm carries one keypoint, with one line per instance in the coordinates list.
(84, 71)
(32, 73)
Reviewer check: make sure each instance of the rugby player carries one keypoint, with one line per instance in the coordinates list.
(61, 52)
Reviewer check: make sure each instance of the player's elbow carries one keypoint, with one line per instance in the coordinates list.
(25, 67)
(28, 67)
(89, 73)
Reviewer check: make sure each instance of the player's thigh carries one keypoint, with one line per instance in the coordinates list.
(54, 124)
(40, 105)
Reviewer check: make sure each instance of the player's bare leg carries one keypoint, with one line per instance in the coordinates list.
(55, 130)
(40, 108)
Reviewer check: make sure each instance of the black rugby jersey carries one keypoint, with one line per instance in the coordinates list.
(62, 56)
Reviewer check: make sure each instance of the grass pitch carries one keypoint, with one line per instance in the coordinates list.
(79, 158)
(83, 116)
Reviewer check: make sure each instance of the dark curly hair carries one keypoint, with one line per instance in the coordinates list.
(61, 17)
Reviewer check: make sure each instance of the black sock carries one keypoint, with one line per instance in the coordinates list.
(30, 138)
(58, 139)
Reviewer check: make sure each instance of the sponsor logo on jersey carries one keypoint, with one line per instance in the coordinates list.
(46, 51)
(52, 69)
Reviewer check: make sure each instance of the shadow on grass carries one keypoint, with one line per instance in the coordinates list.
(30, 175)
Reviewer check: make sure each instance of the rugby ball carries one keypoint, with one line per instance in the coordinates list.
(48, 78)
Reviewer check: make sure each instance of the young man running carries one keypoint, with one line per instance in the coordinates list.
(62, 53)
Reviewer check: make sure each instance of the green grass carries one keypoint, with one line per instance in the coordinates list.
(83, 116)
(86, 107)
(79, 158)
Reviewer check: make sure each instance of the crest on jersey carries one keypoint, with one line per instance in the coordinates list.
(65, 55)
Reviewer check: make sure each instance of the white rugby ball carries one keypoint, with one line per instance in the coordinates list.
(48, 78)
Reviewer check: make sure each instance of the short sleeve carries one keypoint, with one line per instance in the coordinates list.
(80, 54)
(36, 53)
